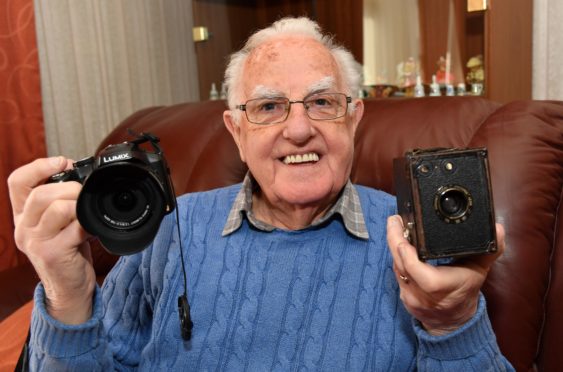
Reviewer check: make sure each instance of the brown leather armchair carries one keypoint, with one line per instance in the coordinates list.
(525, 142)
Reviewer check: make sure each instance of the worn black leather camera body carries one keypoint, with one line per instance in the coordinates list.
(125, 194)
(445, 200)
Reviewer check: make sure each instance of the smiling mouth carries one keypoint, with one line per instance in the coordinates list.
(299, 159)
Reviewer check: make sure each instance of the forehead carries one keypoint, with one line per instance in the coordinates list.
(290, 65)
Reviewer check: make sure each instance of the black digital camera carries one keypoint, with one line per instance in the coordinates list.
(126, 193)
(445, 200)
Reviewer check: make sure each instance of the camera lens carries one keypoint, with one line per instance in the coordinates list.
(122, 204)
(453, 203)
(124, 200)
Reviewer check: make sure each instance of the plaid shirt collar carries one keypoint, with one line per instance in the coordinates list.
(347, 206)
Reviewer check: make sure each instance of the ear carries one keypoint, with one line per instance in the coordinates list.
(358, 112)
(235, 131)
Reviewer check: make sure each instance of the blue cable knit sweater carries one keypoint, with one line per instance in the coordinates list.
(315, 299)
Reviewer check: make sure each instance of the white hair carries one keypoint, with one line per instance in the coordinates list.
(350, 70)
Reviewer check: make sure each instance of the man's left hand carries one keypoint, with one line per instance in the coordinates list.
(442, 298)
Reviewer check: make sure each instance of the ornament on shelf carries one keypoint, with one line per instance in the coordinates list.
(476, 75)
(461, 91)
(213, 93)
(434, 87)
(443, 75)
(419, 88)
(407, 72)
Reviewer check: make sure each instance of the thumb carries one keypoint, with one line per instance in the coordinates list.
(56, 162)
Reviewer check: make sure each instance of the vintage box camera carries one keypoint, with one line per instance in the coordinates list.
(444, 198)
(125, 194)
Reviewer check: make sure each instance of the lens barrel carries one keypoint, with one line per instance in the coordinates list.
(453, 204)
(123, 204)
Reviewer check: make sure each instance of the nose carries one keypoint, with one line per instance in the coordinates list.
(298, 127)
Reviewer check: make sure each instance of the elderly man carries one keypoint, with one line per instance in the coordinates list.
(296, 268)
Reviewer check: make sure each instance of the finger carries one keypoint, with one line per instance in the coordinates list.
(501, 234)
(25, 178)
(396, 239)
(55, 218)
(484, 262)
(401, 278)
(411, 297)
(422, 273)
(41, 198)
(487, 260)
(74, 234)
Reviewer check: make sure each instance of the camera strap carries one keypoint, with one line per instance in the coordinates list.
(186, 323)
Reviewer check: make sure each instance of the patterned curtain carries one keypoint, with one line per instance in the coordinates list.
(103, 60)
(21, 122)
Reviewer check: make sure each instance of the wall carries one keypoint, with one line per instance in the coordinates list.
(230, 22)
(21, 121)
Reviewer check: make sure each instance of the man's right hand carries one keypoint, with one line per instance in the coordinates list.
(48, 232)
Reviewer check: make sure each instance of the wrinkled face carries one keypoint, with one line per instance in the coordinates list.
(300, 162)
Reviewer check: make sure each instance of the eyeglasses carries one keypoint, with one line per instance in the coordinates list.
(320, 106)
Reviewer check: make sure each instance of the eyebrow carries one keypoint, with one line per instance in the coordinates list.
(262, 91)
(322, 85)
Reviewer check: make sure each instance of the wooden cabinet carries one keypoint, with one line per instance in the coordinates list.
(230, 22)
(502, 33)
(508, 50)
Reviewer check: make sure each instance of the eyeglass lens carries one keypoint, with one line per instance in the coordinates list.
(323, 106)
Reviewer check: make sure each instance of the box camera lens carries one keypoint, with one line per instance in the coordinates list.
(444, 197)
(453, 203)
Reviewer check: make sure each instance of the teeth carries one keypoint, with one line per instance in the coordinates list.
(295, 159)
